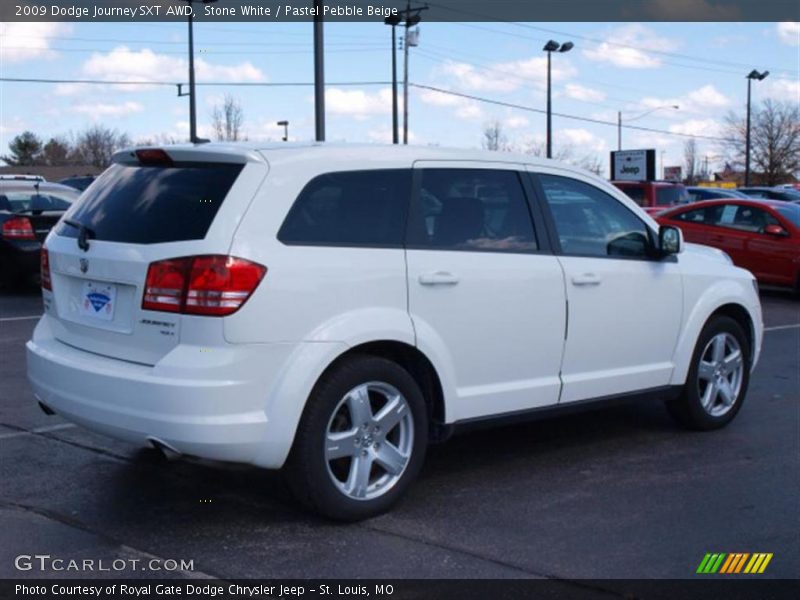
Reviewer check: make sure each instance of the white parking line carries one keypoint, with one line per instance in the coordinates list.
(48, 429)
(26, 318)
(780, 327)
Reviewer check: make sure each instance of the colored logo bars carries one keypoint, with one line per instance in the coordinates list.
(741, 562)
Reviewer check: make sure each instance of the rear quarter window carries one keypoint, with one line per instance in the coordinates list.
(151, 205)
(351, 208)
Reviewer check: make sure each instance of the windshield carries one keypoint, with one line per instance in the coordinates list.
(790, 212)
(31, 200)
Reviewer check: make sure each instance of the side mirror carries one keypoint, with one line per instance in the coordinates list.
(775, 230)
(670, 240)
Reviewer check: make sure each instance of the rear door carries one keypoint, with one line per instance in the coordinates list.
(187, 203)
(485, 294)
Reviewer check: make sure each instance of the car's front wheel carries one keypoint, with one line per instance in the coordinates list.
(361, 440)
(718, 378)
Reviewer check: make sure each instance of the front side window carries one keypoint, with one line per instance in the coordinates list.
(697, 215)
(744, 218)
(590, 222)
(472, 209)
(352, 208)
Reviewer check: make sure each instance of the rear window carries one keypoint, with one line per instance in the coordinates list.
(33, 201)
(152, 205)
(635, 193)
(352, 208)
(667, 196)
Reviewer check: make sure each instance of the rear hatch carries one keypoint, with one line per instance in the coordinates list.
(149, 206)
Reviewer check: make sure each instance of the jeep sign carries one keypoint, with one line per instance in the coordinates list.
(633, 165)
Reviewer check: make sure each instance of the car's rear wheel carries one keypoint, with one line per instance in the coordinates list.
(361, 440)
(718, 378)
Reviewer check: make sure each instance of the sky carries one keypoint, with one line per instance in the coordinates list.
(628, 67)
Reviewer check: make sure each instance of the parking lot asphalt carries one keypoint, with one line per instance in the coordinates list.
(617, 492)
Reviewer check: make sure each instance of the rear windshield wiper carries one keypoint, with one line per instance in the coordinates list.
(83, 233)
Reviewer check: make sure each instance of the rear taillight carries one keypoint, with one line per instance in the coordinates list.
(18, 228)
(201, 285)
(44, 262)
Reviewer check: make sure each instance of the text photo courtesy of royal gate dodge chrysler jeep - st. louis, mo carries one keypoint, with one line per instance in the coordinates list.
(399, 299)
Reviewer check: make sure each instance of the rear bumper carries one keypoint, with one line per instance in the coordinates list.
(223, 404)
(18, 258)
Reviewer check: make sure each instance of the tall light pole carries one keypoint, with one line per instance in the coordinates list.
(750, 77)
(394, 21)
(644, 114)
(192, 95)
(550, 47)
(319, 73)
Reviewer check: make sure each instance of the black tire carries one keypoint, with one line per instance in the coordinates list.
(307, 469)
(688, 408)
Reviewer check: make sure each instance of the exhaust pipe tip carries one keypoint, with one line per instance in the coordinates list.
(167, 452)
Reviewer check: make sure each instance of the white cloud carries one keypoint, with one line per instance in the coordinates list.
(709, 127)
(628, 47)
(27, 41)
(583, 93)
(100, 109)
(786, 90)
(706, 97)
(383, 135)
(463, 108)
(124, 64)
(507, 76)
(789, 32)
(582, 139)
(706, 100)
(359, 104)
(516, 122)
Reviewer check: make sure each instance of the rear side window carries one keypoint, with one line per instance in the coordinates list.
(472, 209)
(635, 193)
(350, 208)
(152, 205)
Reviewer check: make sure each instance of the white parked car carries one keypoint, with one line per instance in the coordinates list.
(332, 309)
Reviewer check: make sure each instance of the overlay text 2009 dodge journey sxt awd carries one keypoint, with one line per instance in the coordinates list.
(330, 310)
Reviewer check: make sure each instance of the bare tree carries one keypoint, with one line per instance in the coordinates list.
(494, 138)
(691, 161)
(775, 141)
(56, 152)
(228, 120)
(96, 144)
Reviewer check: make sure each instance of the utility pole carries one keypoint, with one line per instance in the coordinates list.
(192, 88)
(394, 21)
(550, 47)
(412, 19)
(319, 72)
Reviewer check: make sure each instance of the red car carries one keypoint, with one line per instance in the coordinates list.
(654, 196)
(762, 236)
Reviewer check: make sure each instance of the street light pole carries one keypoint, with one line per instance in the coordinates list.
(285, 125)
(644, 114)
(750, 77)
(550, 47)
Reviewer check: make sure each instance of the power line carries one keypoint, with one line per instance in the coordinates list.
(205, 83)
(563, 115)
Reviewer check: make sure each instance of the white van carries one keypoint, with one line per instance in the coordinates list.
(332, 309)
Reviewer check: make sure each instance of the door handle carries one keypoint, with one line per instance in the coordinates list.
(586, 279)
(438, 278)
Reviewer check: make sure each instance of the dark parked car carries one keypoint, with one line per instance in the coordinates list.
(28, 210)
(768, 193)
(697, 193)
(80, 183)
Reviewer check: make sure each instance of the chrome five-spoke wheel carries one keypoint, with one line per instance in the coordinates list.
(720, 374)
(369, 440)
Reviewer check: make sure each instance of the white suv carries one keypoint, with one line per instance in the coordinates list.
(332, 309)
